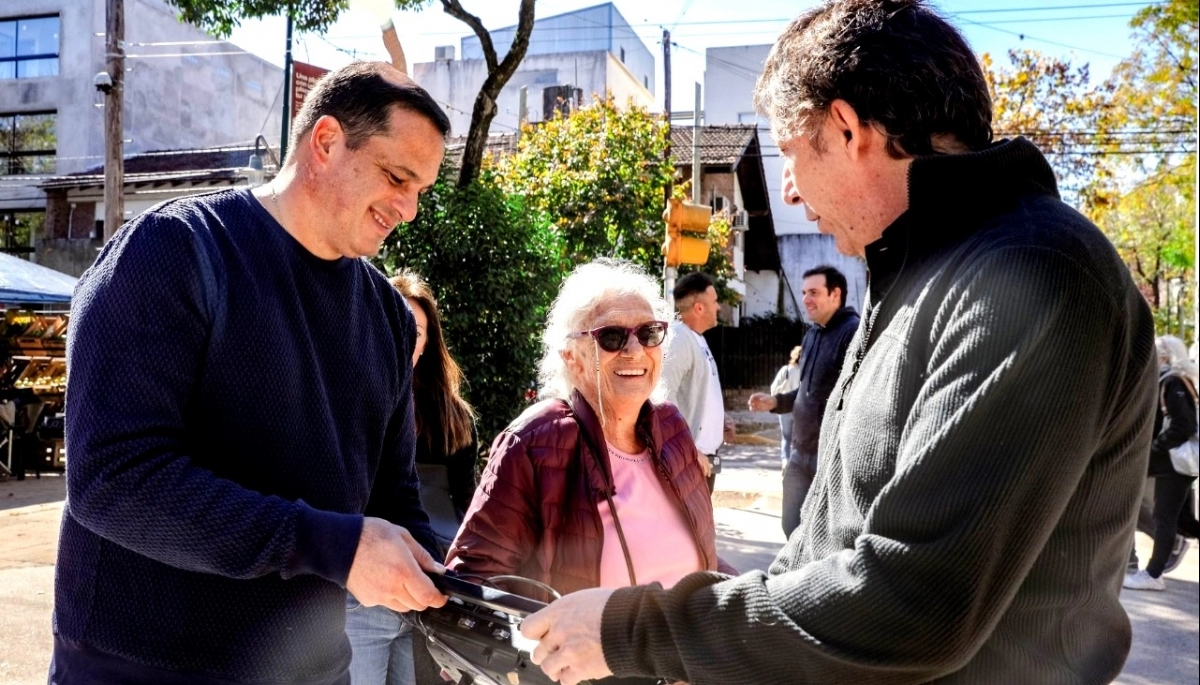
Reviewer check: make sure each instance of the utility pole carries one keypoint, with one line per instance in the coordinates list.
(522, 110)
(114, 129)
(287, 92)
(668, 271)
(666, 40)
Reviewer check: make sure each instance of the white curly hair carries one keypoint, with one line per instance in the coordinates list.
(1173, 353)
(583, 295)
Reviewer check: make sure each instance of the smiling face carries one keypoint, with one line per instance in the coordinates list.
(820, 301)
(375, 187)
(625, 378)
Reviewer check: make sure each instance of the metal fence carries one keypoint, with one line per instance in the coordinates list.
(748, 357)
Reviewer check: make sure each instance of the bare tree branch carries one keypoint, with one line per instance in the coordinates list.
(498, 75)
(456, 10)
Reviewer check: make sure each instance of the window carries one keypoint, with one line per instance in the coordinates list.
(622, 54)
(29, 47)
(18, 229)
(27, 143)
(748, 118)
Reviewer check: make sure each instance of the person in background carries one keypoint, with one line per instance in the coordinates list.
(259, 463)
(385, 651)
(599, 484)
(690, 371)
(825, 344)
(1174, 424)
(787, 380)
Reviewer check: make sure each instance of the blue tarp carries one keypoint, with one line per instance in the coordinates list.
(23, 281)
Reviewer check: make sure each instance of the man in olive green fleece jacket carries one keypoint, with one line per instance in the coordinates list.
(982, 453)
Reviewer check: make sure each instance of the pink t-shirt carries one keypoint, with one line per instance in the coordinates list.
(660, 542)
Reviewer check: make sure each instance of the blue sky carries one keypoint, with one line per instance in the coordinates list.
(1091, 31)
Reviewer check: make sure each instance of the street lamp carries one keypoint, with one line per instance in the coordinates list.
(255, 167)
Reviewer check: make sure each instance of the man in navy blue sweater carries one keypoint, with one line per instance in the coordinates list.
(239, 414)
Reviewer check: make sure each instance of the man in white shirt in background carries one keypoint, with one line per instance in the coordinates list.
(690, 372)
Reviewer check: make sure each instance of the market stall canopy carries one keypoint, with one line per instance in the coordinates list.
(22, 281)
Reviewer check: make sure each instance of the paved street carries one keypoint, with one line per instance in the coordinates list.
(1166, 626)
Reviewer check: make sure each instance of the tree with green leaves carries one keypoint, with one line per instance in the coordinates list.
(599, 175)
(1153, 227)
(1151, 182)
(220, 17)
(1154, 103)
(494, 267)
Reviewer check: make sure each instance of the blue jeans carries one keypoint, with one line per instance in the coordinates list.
(381, 645)
(785, 443)
(797, 479)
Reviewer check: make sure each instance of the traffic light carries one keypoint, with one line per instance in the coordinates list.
(686, 249)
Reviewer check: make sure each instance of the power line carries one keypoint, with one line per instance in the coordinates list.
(1051, 8)
(1024, 36)
(1048, 19)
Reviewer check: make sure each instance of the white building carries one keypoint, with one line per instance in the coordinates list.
(178, 94)
(589, 52)
(732, 73)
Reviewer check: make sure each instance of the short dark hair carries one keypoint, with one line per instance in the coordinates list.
(896, 62)
(833, 279)
(694, 283)
(361, 97)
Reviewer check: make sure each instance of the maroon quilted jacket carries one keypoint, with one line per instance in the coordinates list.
(535, 512)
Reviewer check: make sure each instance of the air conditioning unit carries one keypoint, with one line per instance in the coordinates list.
(740, 221)
(443, 52)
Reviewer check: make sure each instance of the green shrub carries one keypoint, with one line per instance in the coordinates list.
(494, 268)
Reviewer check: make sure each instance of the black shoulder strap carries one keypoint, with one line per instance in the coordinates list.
(1162, 390)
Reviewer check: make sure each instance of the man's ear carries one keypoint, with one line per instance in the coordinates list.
(326, 134)
(855, 136)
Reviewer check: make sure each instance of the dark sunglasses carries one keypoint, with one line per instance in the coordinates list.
(613, 338)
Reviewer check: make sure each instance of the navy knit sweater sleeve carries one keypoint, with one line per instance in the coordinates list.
(135, 481)
(127, 426)
(235, 406)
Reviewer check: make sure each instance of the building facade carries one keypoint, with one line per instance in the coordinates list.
(732, 182)
(183, 89)
(588, 52)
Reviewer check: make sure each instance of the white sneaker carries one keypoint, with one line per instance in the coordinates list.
(1143, 581)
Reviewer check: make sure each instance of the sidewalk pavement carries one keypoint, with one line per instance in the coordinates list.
(747, 502)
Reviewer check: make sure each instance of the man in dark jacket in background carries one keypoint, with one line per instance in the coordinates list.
(983, 451)
(824, 349)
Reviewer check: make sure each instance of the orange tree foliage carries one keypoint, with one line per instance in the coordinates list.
(1052, 103)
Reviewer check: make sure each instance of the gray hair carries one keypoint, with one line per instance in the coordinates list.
(582, 296)
(1175, 354)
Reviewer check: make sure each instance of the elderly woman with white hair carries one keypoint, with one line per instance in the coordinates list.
(1174, 424)
(598, 484)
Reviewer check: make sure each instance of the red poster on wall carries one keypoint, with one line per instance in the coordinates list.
(304, 77)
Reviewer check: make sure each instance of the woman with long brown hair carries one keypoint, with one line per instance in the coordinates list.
(382, 643)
